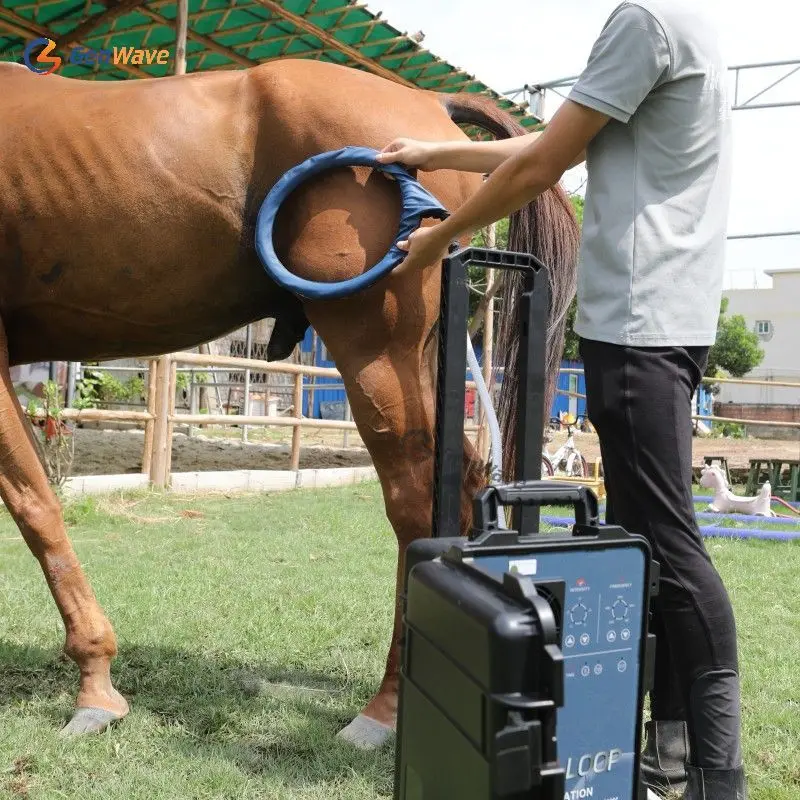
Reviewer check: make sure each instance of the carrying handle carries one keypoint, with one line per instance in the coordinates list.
(534, 493)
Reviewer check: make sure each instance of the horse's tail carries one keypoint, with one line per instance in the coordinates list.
(546, 228)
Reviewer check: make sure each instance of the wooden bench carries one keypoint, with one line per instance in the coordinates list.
(772, 469)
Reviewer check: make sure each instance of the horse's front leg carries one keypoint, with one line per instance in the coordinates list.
(90, 640)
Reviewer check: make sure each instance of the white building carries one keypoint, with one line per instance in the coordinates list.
(774, 314)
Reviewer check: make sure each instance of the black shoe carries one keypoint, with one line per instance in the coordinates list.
(715, 784)
(665, 755)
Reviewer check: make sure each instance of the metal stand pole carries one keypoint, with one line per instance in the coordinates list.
(451, 374)
(530, 398)
(450, 393)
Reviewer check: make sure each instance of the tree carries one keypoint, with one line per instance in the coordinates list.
(501, 235)
(737, 349)
(571, 338)
(577, 204)
(479, 278)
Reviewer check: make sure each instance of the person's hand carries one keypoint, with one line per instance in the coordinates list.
(425, 246)
(410, 152)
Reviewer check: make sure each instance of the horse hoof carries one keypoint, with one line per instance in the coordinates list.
(366, 733)
(89, 720)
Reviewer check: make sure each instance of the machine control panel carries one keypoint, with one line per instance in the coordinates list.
(598, 634)
(601, 623)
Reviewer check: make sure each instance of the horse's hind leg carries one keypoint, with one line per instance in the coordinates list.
(90, 640)
(391, 393)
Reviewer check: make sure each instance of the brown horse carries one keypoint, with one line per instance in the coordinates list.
(126, 229)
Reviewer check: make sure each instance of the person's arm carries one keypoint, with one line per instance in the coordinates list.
(461, 155)
(518, 180)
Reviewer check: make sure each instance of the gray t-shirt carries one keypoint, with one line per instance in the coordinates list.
(655, 218)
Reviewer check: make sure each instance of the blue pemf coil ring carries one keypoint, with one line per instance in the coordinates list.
(417, 204)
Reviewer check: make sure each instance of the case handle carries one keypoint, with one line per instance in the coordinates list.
(534, 493)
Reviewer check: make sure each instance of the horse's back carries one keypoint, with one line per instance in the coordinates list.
(128, 206)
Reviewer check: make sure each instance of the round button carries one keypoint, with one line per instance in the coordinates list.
(598, 669)
(622, 665)
(611, 636)
(585, 671)
(569, 641)
(585, 639)
(626, 634)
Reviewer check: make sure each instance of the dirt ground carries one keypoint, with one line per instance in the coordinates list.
(109, 452)
(113, 452)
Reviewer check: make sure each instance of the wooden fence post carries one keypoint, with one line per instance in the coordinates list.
(298, 413)
(181, 33)
(348, 416)
(147, 455)
(172, 388)
(158, 476)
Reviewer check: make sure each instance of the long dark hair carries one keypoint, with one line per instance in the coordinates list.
(549, 230)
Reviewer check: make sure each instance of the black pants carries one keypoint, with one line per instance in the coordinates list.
(639, 401)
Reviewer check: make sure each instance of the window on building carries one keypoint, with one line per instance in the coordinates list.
(763, 327)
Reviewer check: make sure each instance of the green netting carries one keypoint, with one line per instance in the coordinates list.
(245, 33)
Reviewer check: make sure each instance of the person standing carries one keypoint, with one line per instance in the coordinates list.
(650, 116)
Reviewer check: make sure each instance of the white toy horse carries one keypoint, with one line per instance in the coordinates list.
(726, 501)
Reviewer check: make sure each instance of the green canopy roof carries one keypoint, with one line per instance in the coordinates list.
(231, 34)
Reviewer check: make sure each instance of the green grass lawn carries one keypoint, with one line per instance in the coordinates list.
(252, 628)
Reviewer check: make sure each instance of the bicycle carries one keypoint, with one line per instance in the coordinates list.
(568, 459)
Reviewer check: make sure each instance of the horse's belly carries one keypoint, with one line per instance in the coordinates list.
(117, 284)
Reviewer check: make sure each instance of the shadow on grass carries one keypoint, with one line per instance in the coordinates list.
(266, 718)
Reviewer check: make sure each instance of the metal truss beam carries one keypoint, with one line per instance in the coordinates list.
(792, 67)
(770, 235)
(535, 92)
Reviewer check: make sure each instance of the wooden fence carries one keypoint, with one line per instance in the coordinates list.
(160, 417)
